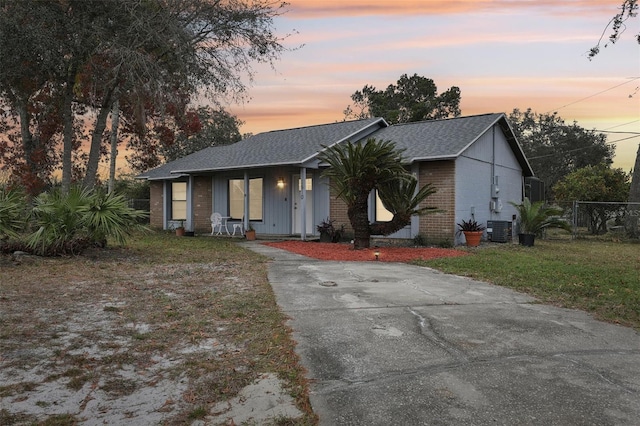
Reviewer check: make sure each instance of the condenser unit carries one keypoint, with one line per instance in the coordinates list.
(499, 231)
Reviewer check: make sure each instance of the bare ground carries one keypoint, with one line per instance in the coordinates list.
(169, 331)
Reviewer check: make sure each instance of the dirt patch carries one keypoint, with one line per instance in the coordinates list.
(345, 252)
(122, 336)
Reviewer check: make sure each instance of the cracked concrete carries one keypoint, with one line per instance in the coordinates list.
(399, 344)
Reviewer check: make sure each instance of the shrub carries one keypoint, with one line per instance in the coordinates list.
(419, 240)
(329, 231)
(13, 213)
(69, 223)
(109, 215)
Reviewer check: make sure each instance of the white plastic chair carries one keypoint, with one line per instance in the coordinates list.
(239, 227)
(216, 222)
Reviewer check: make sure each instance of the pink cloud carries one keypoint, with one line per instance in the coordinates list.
(322, 8)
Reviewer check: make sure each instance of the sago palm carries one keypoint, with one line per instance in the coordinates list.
(535, 217)
(356, 169)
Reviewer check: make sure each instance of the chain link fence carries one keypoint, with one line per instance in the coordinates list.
(594, 219)
(141, 204)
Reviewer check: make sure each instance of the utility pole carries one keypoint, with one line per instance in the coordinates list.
(633, 218)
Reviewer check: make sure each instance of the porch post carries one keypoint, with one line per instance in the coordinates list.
(165, 204)
(303, 203)
(246, 200)
(190, 204)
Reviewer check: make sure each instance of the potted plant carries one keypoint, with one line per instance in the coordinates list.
(180, 228)
(328, 232)
(533, 218)
(250, 233)
(472, 231)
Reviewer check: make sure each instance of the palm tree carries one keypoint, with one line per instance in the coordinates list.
(536, 217)
(357, 169)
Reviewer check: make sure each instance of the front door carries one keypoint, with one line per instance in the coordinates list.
(297, 205)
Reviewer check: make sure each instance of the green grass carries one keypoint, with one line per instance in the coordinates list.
(166, 247)
(602, 278)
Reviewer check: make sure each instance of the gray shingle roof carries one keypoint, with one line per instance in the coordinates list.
(437, 138)
(280, 147)
(448, 138)
(425, 140)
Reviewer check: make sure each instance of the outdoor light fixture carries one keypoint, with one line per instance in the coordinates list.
(280, 183)
(377, 254)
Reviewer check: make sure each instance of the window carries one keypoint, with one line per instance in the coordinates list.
(308, 184)
(382, 214)
(236, 199)
(179, 200)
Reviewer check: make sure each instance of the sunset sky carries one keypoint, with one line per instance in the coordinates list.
(503, 54)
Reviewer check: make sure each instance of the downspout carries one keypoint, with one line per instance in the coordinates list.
(246, 200)
(303, 203)
(493, 167)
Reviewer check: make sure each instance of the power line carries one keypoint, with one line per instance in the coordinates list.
(560, 153)
(595, 94)
(623, 133)
(581, 148)
(620, 125)
(624, 139)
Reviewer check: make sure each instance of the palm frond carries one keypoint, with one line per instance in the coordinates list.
(13, 212)
(400, 196)
(535, 217)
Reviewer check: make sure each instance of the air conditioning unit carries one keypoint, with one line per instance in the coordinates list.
(499, 231)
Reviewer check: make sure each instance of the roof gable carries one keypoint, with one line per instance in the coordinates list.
(448, 138)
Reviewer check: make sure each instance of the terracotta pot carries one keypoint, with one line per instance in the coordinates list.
(473, 238)
(180, 232)
(250, 235)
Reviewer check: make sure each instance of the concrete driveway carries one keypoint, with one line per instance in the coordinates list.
(394, 344)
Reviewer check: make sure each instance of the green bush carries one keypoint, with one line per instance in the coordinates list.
(109, 215)
(13, 213)
(67, 223)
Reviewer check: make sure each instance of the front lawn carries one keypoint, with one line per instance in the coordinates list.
(599, 277)
(158, 332)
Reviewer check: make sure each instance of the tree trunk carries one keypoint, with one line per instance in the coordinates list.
(67, 121)
(96, 141)
(359, 218)
(399, 221)
(27, 137)
(115, 120)
(31, 177)
(67, 145)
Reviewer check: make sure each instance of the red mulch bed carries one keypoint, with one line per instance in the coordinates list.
(345, 252)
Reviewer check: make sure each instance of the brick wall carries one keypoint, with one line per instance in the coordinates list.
(338, 212)
(439, 226)
(202, 203)
(435, 227)
(156, 202)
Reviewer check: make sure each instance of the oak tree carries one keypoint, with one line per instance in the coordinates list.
(411, 99)
(554, 148)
